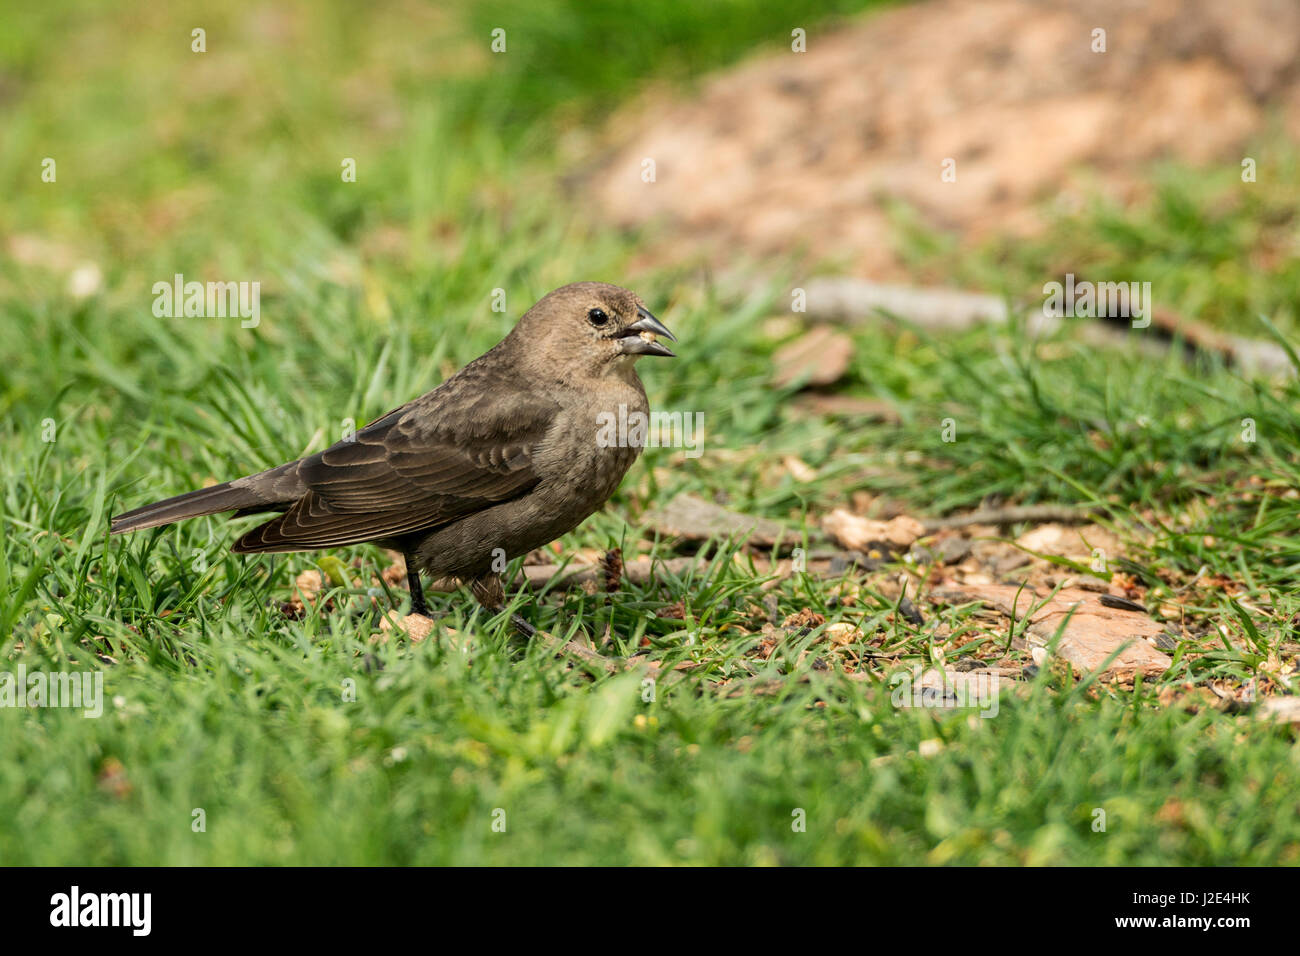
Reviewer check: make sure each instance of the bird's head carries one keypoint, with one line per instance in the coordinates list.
(593, 326)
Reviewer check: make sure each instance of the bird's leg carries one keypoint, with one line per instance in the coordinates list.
(523, 627)
(491, 594)
(417, 589)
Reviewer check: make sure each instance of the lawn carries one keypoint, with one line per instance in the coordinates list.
(236, 733)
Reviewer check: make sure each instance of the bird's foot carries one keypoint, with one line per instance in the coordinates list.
(523, 627)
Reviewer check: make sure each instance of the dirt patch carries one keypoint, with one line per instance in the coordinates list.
(805, 152)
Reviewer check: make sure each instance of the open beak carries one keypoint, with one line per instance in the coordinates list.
(639, 337)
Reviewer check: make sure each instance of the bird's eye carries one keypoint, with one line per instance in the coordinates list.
(597, 317)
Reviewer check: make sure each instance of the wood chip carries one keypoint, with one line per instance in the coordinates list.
(416, 626)
(843, 633)
(694, 519)
(579, 574)
(865, 534)
(1283, 710)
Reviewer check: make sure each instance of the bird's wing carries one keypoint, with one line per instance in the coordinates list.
(451, 453)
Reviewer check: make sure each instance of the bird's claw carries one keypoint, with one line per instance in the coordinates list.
(523, 627)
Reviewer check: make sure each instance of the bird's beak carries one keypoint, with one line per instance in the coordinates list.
(639, 337)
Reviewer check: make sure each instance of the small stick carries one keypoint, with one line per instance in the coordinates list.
(1013, 514)
(610, 665)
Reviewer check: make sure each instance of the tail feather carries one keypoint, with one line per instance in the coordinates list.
(192, 504)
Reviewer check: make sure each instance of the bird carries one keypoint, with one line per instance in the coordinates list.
(503, 457)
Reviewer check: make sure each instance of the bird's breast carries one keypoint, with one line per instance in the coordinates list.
(593, 445)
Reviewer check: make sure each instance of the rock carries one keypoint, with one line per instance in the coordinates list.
(1092, 631)
(954, 550)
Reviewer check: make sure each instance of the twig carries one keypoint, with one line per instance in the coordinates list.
(561, 647)
(1013, 514)
(639, 571)
(852, 301)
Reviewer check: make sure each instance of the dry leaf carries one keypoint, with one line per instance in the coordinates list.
(112, 779)
(799, 469)
(842, 633)
(862, 534)
(307, 585)
(817, 358)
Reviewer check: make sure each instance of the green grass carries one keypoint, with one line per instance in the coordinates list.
(228, 167)
(1211, 246)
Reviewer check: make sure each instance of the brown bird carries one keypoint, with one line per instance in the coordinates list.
(503, 457)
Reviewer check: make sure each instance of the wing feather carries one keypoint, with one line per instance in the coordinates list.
(468, 445)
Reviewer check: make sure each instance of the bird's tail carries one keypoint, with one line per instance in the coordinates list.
(192, 504)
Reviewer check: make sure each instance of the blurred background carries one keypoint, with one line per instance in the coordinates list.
(718, 158)
(714, 159)
(787, 141)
